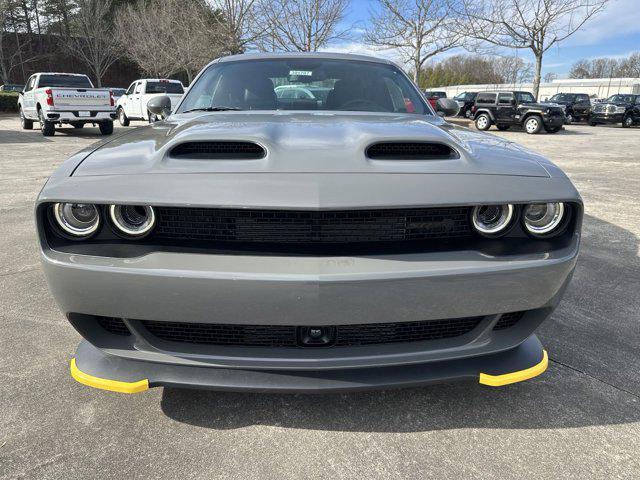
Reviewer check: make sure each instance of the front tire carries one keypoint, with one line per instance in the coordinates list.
(483, 122)
(48, 128)
(627, 122)
(106, 128)
(552, 130)
(153, 118)
(533, 124)
(569, 119)
(122, 117)
(25, 123)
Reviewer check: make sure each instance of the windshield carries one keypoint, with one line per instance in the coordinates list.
(464, 96)
(620, 99)
(304, 84)
(73, 81)
(163, 87)
(562, 97)
(525, 97)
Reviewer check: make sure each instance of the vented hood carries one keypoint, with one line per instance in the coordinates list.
(318, 142)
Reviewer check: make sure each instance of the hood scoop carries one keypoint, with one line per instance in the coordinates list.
(410, 151)
(218, 150)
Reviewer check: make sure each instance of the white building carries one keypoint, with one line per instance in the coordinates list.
(600, 87)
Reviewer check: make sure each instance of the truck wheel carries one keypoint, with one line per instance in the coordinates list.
(569, 119)
(552, 130)
(122, 117)
(153, 118)
(106, 128)
(24, 122)
(533, 124)
(503, 128)
(468, 113)
(48, 128)
(483, 122)
(627, 122)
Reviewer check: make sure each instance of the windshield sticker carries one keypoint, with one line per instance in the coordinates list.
(301, 73)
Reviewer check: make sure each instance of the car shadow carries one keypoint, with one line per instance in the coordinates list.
(22, 136)
(590, 343)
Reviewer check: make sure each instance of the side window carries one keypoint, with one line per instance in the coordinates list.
(30, 83)
(583, 98)
(130, 89)
(138, 87)
(505, 99)
(486, 98)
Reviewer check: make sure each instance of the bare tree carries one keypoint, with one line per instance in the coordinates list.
(536, 25)
(166, 37)
(513, 69)
(239, 22)
(92, 38)
(417, 29)
(301, 25)
(550, 77)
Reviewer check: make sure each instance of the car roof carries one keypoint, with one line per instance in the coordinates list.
(322, 55)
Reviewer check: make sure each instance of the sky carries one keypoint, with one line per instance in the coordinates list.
(614, 32)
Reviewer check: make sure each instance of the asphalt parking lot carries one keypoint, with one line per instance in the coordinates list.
(581, 419)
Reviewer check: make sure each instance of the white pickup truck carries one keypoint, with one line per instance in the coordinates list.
(65, 98)
(133, 104)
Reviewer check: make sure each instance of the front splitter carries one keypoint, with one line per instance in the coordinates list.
(94, 368)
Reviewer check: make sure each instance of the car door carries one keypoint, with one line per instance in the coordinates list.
(582, 105)
(506, 110)
(134, 101)
(125, 100)
(28, 100)
(636, 110)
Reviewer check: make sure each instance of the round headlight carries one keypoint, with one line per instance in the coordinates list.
(133, 220)
(543, 218)
(77, 219)
(492, 219)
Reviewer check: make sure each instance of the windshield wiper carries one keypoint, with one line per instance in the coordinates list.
(212, 109)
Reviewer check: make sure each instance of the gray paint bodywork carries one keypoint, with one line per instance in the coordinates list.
(314, 161)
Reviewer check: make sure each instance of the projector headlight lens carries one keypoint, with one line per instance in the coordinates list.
(492, 219)
(543, 218)
(77, 219)
(133, 220)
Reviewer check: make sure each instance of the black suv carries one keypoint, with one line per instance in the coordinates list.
(618, 108)
(465, 101)
(577, 105)
(505, 109)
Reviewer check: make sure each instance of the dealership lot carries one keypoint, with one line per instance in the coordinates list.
(580, 419)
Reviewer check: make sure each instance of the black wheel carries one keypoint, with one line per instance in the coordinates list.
(48, 128)
(153, 118)
(627, 122)
(533, 124)
(77, 125)
(24, 122)
(483, 122)
(106, 128)
(569, 118)
(593, 124)
(552, 130)
(502, 128)
(468, 113)
(122, 117)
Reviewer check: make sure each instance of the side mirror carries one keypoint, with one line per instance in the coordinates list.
(447, 107)
(160, 106)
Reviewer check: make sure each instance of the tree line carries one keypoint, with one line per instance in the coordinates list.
(607, 67)
(170, 37)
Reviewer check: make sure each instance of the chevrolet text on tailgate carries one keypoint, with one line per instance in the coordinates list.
(306, 223)
(65, 98)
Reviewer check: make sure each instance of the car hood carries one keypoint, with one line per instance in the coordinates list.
(300, 142)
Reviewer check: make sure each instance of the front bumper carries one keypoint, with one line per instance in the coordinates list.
(606, 118)
(94, 368)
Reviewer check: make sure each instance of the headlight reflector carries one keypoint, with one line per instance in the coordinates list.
(133, 220)
(492, 219)
(77, 219)
(543, 218)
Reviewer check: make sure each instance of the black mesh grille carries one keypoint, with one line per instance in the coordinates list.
(286, 336)
(312, 227)
(113, 325)
(218, 150)
(410, 151)
(508, 320)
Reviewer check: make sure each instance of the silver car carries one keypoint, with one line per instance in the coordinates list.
(356, 241)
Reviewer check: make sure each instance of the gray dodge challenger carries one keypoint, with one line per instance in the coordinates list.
(306, 223)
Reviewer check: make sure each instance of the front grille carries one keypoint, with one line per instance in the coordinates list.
(286, 336)
(113, 325)
(218, 150)
(410, 151)
(312, 227)
(508, 320)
